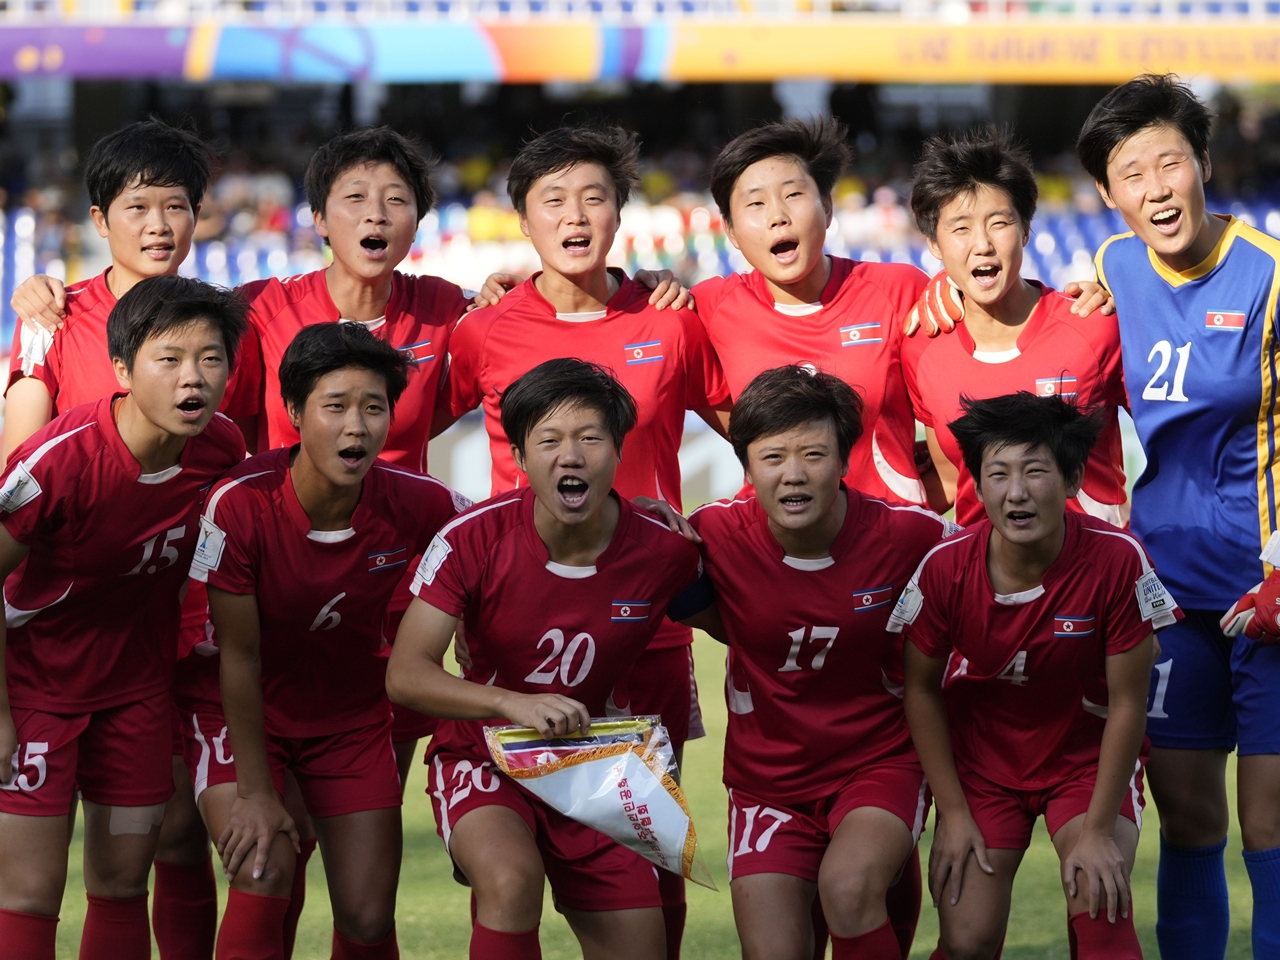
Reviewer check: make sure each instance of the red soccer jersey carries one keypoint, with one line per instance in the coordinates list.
(419, 316)
(321, 594)
(1026, 681)
(814, 684)
(856, 335)
(93, 609)
(1058, 354)
(490, 568)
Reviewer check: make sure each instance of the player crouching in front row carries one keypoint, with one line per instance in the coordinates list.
(1030, 644)
(559, 558)
(302, 548)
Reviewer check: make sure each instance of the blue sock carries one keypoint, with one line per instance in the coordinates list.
(1192, 911)
(1264, 874)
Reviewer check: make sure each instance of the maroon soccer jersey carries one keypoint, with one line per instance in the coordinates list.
(1026, 681)
(814, 680)
(856, 335)
(1058, 354)
(418, 318)
(535, 626)
(322, 594)
(93, 609)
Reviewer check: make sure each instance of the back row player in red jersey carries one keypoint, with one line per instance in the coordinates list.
(1028, 657)
(92, 608)
(826, 796)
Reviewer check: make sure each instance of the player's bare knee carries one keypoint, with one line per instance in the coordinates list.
(183, 838)
(849, 895)
(509, 887)
(973, 943)
(1260, 828)
(33, 891)
(370, 923)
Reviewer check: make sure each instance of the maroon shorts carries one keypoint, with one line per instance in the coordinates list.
(771, 837)
(587, 870)
(1006, 816)
(118, 757)
(662, 682)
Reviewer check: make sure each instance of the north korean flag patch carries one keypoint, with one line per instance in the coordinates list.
(1072, 626)
(1223, 320)
(860, 333)
(1063, 386)
(873, 599)
(419, 352)
(388, 559)
(630, 611)
(648, 352)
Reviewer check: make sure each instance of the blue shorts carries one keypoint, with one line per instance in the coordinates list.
(1209, 692)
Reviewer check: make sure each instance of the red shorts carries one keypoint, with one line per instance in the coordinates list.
(117, 757)
(1005, 816)
(662, 682)
(338, 774)
(767, 837)
(587, 870)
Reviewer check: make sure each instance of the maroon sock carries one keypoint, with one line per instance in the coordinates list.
(297, 895)
(878, 944)
(347, 949)
(903, 903)
(489, 944)
(1102, 940)
(252, 927)
(116, 929)
(674, 910)
(819, 920)
(28, 936)
(184, 910)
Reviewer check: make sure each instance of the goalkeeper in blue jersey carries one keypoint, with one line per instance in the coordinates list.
(1196, 295)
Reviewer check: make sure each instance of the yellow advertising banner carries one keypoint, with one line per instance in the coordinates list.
(996, 51)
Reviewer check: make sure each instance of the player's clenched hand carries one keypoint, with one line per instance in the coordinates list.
(8, 745)
(495, 287)
(939, 309)
(1257, 613)
(254, 822)
(955, 838)
(668, 515)
(1106, 875)
(1089, 295)
(667, 290)
(41, 301)
(549, 713)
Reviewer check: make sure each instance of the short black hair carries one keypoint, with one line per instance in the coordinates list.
(322, 348)
(368, 145)
(615, 149)
(951, 166)
(819, 145)
(162, 304)
(150, 154)
(787, 397)
(566, 382)
(1067, 431)
(1151, 100)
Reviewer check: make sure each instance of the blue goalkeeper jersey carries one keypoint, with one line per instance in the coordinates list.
(1199, 351)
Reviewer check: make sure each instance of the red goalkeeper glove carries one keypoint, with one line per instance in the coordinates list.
(1257, 613)
(940, 308)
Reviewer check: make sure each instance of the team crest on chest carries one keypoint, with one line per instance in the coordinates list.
(1063, 385)
(860, 334)
(388, 559)
(1073, 626)
(1224, 320)
(648, 352)
(630, 611)
(873, 599)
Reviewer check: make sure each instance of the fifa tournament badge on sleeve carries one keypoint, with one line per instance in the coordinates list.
(619, 779)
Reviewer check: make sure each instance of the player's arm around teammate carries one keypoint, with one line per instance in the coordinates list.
(587, 568)
(1025, 626)
(102, 489)
(826, 794)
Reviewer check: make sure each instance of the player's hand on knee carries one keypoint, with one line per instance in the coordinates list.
(1089, 295)
(668, 515)
(1257, 613)
(495, 288)
(667, 290)
(254, 822)
(549, 713)
(41, 302)
(939, 309)
(1106, 874)
(8, 745)
(955, 838)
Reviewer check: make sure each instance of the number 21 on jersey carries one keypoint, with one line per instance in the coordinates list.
(1160, 386)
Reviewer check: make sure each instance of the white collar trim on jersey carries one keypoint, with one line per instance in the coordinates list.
(162, 476)
(570, 573)
(800, 563)
(587, 316)
(997, 356)
(797, 309)
(1026, 596)
(370, 325)
(331, 536)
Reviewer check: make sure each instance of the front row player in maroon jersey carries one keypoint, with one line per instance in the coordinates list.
(538, 575)
(302, 548)
(100, 511)
(1030, 639)
(826, 796)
